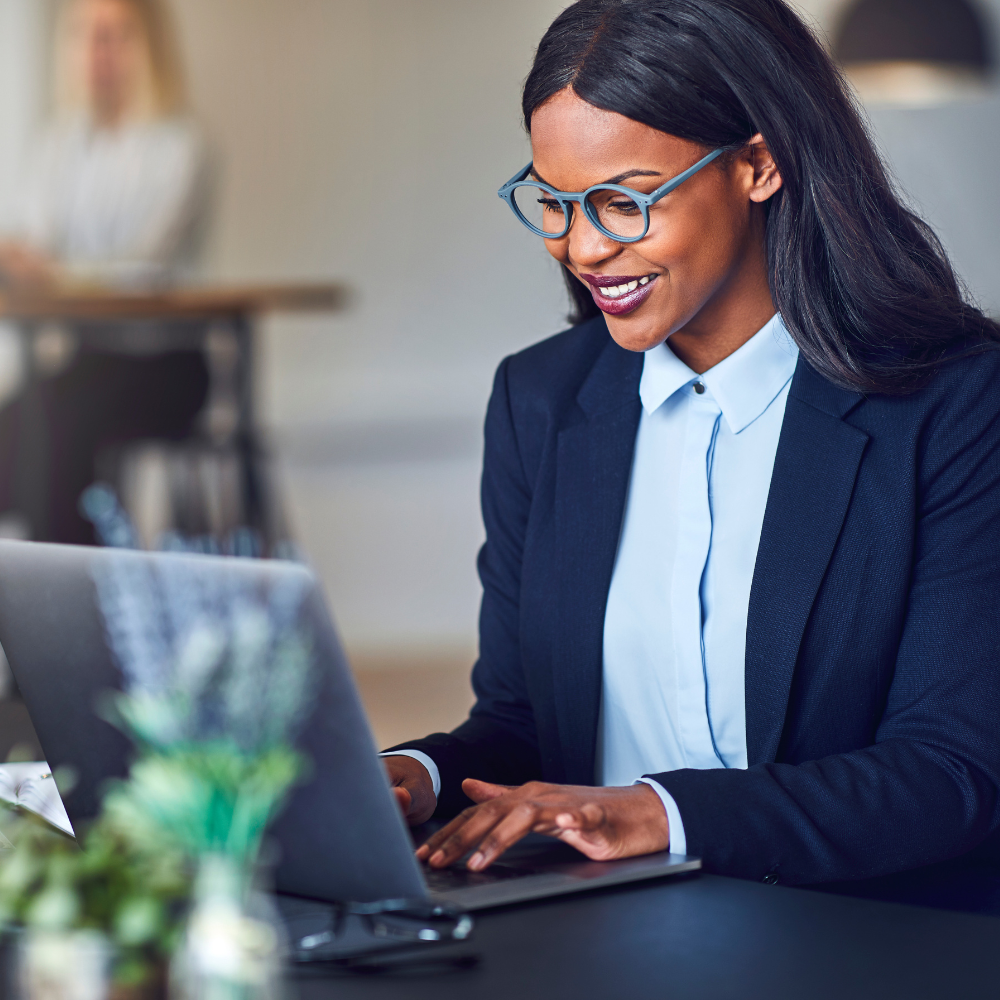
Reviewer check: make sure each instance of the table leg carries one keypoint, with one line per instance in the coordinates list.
(260, 509)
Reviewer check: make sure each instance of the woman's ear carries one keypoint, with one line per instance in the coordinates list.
(766, 180)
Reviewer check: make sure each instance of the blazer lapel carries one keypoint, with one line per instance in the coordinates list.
(814, 472)
(593, 465)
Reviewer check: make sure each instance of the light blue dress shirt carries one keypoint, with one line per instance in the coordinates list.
(675, 624)
(676, 618)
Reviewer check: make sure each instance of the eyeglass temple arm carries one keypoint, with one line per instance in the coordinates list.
(681, 178)
(519, 176)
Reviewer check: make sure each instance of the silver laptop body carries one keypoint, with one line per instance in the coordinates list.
(341, 836)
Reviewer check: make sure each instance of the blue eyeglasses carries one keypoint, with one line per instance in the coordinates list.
(618, 212)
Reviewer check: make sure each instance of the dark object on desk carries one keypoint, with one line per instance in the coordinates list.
(365, 937)
(55, 640)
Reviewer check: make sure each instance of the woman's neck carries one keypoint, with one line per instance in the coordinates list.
(110, 111)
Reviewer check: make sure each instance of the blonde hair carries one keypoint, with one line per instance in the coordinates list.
(161, 90)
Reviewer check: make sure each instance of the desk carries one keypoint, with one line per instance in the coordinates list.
(236, 308)
(706, 938)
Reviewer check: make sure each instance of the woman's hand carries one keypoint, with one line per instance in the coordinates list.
(413, 788)
(603, 823)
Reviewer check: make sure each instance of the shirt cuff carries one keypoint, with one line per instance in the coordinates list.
(432, 768)
(678, 840)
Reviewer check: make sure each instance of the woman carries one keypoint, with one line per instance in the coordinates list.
(114, 196)
(116, 185)
(741, 566)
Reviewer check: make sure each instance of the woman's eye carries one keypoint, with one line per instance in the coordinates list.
(550, 205)
(623, 206)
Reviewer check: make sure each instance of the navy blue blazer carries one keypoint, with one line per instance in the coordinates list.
(873, 647)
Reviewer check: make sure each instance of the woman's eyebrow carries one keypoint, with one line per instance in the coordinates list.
(617, 179)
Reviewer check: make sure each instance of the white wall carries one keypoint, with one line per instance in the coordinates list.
(365, 141)
(23, 56)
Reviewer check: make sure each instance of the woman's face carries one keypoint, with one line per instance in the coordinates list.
(110, 51)
(704, 254)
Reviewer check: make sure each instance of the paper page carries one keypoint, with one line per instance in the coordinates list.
(30, 785)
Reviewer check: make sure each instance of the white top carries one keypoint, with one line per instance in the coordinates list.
(676, 618)
(121, 204)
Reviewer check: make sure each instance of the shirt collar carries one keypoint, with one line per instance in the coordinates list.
(744, 384)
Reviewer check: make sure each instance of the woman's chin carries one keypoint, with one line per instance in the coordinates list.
(633, 336)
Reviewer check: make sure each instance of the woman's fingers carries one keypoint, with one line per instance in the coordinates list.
(451, 842)
(436, 839)
(484, 791)
(514, 825)
(469, 834)
(403, 798)
(478, 791)
(603, 823)
(490, 830)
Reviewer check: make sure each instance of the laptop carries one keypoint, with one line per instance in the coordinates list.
(341, 836)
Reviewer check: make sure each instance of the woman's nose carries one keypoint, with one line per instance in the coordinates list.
(587, 245)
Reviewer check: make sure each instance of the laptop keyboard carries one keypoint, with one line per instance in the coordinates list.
(447, 879)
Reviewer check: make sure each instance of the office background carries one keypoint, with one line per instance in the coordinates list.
(363, 140)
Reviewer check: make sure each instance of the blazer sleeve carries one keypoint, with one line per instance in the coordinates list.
(927, 789)
(499, 741)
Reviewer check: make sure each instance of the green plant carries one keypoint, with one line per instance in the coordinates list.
(131, 890)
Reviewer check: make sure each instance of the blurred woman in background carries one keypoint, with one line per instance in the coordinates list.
(115, 196)
(116, 186)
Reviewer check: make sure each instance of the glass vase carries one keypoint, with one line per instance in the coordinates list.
(232, 946)
(64, 965)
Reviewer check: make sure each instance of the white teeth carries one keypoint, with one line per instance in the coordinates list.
(614, 291)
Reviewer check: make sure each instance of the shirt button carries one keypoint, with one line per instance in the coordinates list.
(699, 387)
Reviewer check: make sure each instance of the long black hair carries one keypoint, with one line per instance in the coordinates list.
(863, 285)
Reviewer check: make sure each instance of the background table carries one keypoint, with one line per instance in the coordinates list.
(706, 938)
(203, 308)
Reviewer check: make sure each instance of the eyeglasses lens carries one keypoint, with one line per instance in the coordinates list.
(617, 213)
(540, 209)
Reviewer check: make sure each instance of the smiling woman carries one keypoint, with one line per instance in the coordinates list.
(743, 554)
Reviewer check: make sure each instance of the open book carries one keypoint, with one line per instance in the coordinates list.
(31, 786)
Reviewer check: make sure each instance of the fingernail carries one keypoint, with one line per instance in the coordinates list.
(476, 861)
(565, 819)
(436, 858)
(422, 851)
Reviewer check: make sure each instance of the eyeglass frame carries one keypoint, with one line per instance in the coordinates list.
(433, 922)
(566, 198)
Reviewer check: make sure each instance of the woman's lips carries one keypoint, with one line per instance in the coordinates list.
(629, 291)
